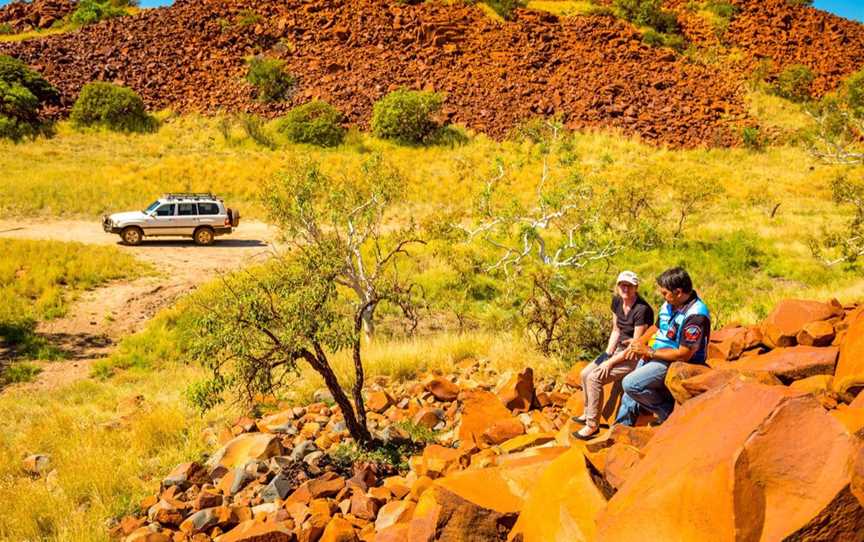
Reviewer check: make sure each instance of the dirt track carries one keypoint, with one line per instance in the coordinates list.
(101, 317)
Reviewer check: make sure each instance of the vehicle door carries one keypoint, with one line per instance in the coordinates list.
(187, 218)
(208, 214)
(162, 220)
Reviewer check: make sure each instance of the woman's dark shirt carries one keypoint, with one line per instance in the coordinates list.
(641, 314)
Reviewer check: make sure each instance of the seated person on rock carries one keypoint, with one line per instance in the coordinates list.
(681, 334)
(631, 316)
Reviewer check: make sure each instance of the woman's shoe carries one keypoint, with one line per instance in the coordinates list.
(578, 419)
(590, 436)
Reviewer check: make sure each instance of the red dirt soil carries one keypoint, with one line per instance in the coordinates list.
(593, 71)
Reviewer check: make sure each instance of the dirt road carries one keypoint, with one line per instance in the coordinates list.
(99, 318)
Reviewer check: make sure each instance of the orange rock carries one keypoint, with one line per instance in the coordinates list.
(679, 372)
(257, 531)
(573, 377)
(481, 411)
(852, 419)
(244, 447)
(753, 484)
(281, 422)
(728, 343)
(619, 462)
(394, 512)
(789, 317)
(562, 503)
(144, 534)
(438, 460)
(378, 401)
(442, 388)
(857, 484)
(339, 530)
(849, 376)
(524, 442)
(427, 417)
(503, 430)
(363, 506)
(716, 378)
(858, 402)
(819, 333)
(790, 364)
(419, 487)
(517, 393)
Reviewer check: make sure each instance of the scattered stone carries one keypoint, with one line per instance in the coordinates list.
(517, 393)
(442, 389)
(245, 447)
(37, 464)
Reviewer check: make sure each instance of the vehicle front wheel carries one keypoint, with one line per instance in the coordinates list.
(132, 236)
(203, 236)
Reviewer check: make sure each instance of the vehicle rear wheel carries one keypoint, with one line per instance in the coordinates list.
(203, 236)
(132, 236)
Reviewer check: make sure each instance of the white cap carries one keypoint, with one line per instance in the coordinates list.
(629, 277)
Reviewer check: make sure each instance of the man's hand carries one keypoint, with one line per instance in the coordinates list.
(638, 350)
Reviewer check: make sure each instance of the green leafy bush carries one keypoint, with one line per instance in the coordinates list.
(93, 11)
(752, 139)
(316, 123)
(505, 8)
(659, 39)
(112, 106)
(18, 372)
(6, 29)
(269, 77)
(22, 93)
(855, 93)
(648, 13)
(793, 83)
(406, 116)
(722, 8)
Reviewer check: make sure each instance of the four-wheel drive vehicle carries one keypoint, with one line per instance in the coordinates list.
(199, 216)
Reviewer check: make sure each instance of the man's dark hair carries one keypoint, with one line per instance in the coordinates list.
(675, 278)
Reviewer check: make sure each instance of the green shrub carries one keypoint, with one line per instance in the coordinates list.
(800, 2)
(316, 123)
(406, 116)
(112, 106)
(751, 137)
(254, 127)
(18, 372)
(722, 8)
(247, 17)
(93, 11)
(793, 83)
(855, 93)
(22, 93)
(6, 29)
(505, 8)
(648, 13)
(270, 79)
(659, 39)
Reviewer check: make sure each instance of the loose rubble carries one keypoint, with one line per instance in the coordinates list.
(36, 15)
(775, 436)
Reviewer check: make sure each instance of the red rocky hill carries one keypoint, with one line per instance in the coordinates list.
(594, 71)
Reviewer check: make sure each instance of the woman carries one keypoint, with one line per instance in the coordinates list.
(631, 316)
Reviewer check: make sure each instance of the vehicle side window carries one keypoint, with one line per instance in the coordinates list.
(208, 209)
(165, 210)
(186, 209)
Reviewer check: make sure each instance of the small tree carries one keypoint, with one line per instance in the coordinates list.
(406, 116)
(93, 11)
(839, 124)
(846, 244)
(112, 106)
(320, 300)
(23, 92)
(271, 80)
(313, 208)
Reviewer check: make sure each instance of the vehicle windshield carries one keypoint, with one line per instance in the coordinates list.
(151, 207)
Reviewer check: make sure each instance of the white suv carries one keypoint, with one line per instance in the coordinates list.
(199, 216)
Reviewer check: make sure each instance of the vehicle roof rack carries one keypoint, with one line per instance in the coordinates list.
(190, 195)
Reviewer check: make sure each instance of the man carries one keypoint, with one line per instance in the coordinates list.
(682, 332)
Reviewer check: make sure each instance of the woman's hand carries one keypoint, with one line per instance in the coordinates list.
(604, 368)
